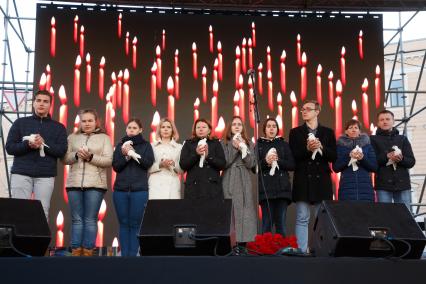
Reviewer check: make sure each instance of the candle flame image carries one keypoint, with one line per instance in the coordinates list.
(77, 81)
(42, 82)
(377, 91)
(354, 109)
(75, 33)
(52, 37)
(82, 41)
(298, 50)
(115, 242)
(163, 43)
(319, 86)
(211, 39)
(120, 17)
(343, 65)
(360, 45)
(194, 60)
(101, 77)
(253, 33)
(331, 89)
(60, 220)
(60, 227)
(134, 52)
(220, 127)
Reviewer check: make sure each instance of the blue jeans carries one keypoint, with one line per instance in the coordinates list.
(303, 214)
(84, 206)
(277, 215)
(129, 207)
(403, 196)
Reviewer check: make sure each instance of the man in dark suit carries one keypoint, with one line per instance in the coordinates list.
(312, 176)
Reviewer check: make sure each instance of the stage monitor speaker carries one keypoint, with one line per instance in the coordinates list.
(187, 227)
(23, 228)
(363, 229)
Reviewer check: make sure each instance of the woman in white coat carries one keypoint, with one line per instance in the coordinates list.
(163, 181)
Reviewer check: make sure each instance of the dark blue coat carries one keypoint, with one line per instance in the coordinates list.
(355, 185)
(132, 176)
(27, 161)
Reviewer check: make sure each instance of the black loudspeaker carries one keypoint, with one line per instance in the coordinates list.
(23, 228)
(187, 227)
(350, 228)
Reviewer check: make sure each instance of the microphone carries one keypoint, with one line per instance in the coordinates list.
(250, 72)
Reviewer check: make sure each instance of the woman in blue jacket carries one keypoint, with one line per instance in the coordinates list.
(354, 164)
(133, 156)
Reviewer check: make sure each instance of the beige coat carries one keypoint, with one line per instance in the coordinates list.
(89, 174)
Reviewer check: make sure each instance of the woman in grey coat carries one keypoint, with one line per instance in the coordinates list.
(237, 180)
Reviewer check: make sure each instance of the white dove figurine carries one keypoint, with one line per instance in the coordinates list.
(353, 161)
(243, 146)
(274, 164)
(203, 156)
(31, 138)
(396, 151)
(131, 153)
(311, 137)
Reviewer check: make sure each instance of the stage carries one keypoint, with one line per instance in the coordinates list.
(232, 269)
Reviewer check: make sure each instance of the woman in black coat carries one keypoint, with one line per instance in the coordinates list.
(274, 187)
(202, 160)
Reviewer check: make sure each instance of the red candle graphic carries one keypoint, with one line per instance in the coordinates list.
(294, 110)
(59, 232)
(108, 110)
(64, 190)
(237, 65)
(120, 17)
(220, 60)
(126, 96)
(338, 104)
(354, 110)
(52, 37)
(154, 84)
(101, 216)
(319, 90)
(251, 105)
(360, 45)
(270, 91)
(113, 90)
(114, 246)
(250, 54)
(42, 82)
(220, 128)
(77, 81)
(236, 102)
(134, 52)
(63, 109)
(331, 89)
(365, 108)
(82, 41)
(244, 55)
(119, 87)
(171, 99)
(196, 111)
(268, 59)
(204, 83)
(280, 113)
(154, 124)
(343, 66)
(76, 123)
(377, 86)
(48, 77)
(176, 59)
(299, 50)
(127, 43)
(303, 78)
(101, 77)
(194, 60)
(52, 104)
(215, 70)
(211, 43)
(242, 102)
(253, 33)
(88, 73)
(75, 33)
(260, 78)
(215, 88)
(163, 43)
(280, 124)
(177, 83)
(282, 71)
(214, 113)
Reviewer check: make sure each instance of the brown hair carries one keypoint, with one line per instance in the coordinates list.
(352, 122)
(44, 93)
(316, 103)
(266, 122)
(228, 131)
(385, 111)
(175, 133)
(135, 120)
(194, 134)
(98, 128)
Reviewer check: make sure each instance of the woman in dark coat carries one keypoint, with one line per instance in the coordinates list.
(274, 188)
(203, 179)
(355, 180)
(131, 185)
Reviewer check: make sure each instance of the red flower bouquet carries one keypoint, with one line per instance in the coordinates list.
(269, 243)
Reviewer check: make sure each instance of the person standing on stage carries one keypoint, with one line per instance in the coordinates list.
(275, 160)
(202, 157)
(355, 160)
(237, 179)
(394, 157)
(89, 155)
(164, 182)
(36, 142)
(312, 176)
(133, 156)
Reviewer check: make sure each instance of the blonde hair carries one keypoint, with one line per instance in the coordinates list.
(175, 133)
(98, 127)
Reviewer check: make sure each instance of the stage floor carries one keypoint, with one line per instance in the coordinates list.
(233, 269)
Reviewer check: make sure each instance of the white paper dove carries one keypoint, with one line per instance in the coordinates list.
(397, 151)
(203, 156)
(311, 137)
(353, 161)
(31, 138)
(131, 153)
(243, 146)
(274, 164)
